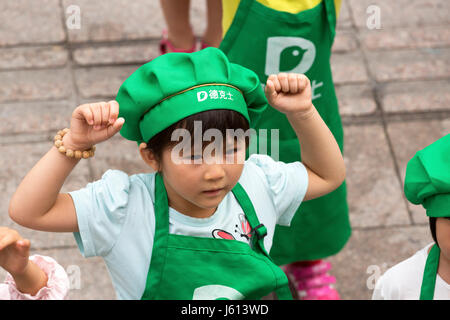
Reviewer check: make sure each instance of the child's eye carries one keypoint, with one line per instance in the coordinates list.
(196, 157)
(230, 151)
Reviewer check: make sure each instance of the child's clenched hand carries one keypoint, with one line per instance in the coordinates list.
(14, 251)
(289, 93)
(93, 123)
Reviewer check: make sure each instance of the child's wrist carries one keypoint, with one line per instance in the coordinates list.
(31, 279)
(65, 145)
(302, 115)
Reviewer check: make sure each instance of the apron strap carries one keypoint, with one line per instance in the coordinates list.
(259, 231)
(160, 239)
(430, 274)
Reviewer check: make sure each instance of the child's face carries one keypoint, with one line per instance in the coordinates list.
(189, 184)
(443, 236)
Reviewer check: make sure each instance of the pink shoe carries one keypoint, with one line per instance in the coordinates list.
(165, 44)
(313, 282)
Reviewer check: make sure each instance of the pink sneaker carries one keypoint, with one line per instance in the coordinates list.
(313, 282)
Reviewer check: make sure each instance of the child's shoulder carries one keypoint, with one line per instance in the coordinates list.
(408, 272)
(119, 180)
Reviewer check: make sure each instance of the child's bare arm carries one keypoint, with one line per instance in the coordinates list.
(291, 94)
(37, 203)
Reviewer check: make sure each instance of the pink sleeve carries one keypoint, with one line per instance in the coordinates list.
(57, 285)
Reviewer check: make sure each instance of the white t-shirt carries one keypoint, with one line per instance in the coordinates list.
(116, 216)
(404, 280)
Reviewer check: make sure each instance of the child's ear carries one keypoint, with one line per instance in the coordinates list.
(148, 156)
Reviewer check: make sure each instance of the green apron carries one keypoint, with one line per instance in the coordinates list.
(184, 267)
(430, 274)
(268, 42)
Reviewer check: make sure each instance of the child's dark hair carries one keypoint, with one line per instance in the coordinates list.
(433, 228)
(221, 120)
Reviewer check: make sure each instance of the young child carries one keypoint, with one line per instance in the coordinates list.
(195, 227)
(425, 275)
(29, 278)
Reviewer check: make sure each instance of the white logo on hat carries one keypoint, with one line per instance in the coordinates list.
(214, 95)
(202, 96)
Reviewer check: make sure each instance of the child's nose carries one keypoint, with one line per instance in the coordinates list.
(214, 172)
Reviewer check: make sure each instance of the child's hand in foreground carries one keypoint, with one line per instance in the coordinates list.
(289, 93)
(93, 123)
(14, 251)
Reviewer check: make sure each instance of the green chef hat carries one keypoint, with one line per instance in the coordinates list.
(176, 85)
(427, 180)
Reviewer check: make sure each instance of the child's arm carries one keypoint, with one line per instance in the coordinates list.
(14, 258)
(291, 94)
(37, 203)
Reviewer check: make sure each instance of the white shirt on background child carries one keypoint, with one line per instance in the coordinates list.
(404, 280)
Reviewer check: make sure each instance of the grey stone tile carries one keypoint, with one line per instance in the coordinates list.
(408, 138)
(369, 253)
(138, 54)
(348, 68)
(406, 38)
(34, 117)
(374, 192)
(409, 64)
(33, 57)
(35, 85)
(355, 100)
(101, 81)
(416, 96)
(411, 13)
(30, 22)
(344, 41)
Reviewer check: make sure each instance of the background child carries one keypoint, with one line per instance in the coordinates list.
(29, 278)
(425, 275)
(147, 226)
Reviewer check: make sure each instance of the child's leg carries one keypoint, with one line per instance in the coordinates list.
(213, 32)
(176, 14)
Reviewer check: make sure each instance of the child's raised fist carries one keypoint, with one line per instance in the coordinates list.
(289, 93)
(93, 123)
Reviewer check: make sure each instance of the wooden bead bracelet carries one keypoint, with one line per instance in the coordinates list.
(77, 154)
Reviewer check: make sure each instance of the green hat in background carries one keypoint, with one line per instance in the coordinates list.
(174, 86)
(427, 179)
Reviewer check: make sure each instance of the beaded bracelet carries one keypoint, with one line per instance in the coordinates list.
(77, 154)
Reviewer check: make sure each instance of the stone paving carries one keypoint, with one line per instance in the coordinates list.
(393, 86)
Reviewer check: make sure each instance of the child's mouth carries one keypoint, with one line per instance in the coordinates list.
(213, 192)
